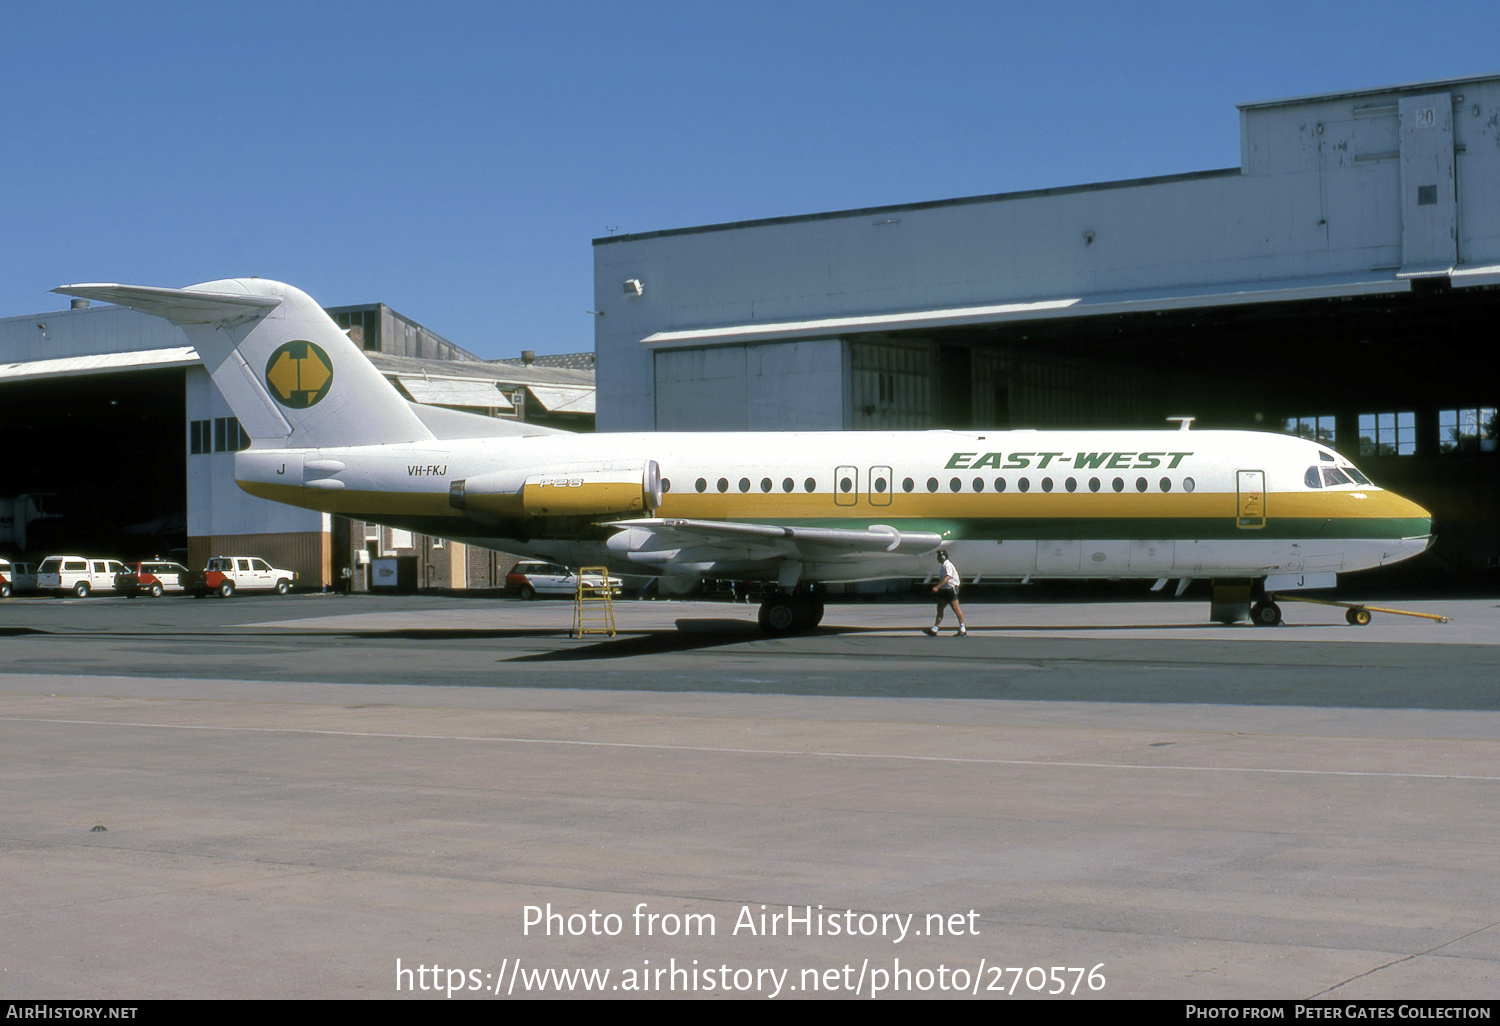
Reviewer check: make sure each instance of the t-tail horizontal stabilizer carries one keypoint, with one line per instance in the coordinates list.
(290, 375)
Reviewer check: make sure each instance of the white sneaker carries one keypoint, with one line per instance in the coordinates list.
(963, 632)
(933, 631)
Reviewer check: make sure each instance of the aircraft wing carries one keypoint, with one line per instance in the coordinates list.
(180, 306)
(693, 537)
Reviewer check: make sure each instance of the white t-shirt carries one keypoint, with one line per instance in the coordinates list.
(948, 571)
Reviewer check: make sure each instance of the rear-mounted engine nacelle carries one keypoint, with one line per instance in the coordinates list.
(577, 491)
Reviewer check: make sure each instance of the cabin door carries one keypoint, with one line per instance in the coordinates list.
(1252, 499)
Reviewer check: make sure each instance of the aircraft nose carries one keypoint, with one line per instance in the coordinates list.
(1416, 536)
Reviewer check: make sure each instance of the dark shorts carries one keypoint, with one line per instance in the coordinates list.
(945, 596)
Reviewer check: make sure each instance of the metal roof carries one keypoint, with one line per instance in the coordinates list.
(504, 373)
(563, 400)
(567, 361)
(100, 363)
(1073, 306)
(449, 391)
(999, 197)
(1350, 94)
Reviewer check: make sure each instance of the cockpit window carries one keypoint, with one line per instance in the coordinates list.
(1358, 477)
(1311, 478)
(1334, 476)
(1326, 457)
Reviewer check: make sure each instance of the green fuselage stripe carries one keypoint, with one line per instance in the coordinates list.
(990, 529)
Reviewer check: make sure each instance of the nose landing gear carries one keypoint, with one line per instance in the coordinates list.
(1265, 613)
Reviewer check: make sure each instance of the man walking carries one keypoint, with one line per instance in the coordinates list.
(946, 590)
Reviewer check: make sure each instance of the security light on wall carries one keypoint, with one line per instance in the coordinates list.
(633, 287)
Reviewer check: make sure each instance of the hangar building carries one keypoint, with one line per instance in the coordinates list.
(1342, 282)
(117, 443)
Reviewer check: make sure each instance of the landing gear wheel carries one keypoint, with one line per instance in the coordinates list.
(1358, 617)
(1265, 614)
(527, 592)
(815, 613)
(226, 589)
(779, 616)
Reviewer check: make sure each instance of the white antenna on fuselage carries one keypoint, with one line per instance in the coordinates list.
(1183, 423)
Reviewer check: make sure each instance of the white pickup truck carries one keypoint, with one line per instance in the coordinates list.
(82, 576)
(229, 574)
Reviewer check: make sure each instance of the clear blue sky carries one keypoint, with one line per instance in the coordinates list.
(454, 160)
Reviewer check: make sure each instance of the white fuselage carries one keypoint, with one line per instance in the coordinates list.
(1005, 503)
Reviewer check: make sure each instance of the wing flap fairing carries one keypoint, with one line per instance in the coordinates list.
(664, 541)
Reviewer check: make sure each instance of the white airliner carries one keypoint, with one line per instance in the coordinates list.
(798, 509)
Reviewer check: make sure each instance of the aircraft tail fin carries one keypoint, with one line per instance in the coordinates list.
(290, 375)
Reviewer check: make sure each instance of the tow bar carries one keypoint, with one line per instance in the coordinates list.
(1358, 613)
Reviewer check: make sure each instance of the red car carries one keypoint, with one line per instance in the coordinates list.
(154, 579)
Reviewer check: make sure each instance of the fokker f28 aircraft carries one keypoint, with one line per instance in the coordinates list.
(799, 509)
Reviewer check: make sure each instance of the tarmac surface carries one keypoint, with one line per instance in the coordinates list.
(339, 797)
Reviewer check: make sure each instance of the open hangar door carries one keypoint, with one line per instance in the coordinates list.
(1399, 382)
(107, 454)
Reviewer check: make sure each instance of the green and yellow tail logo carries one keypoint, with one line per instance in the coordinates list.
(299, 374)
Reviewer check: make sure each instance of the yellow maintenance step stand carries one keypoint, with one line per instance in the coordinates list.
(593, 603)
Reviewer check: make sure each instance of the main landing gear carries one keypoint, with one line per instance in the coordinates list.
(788, 614)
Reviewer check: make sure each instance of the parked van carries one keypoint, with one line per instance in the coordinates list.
(62, 574)
(23, 579)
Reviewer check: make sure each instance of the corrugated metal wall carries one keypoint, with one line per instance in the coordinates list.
(892, 385)
(1067, 394)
